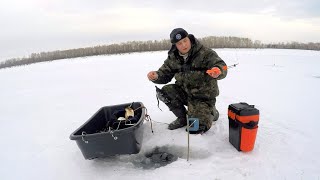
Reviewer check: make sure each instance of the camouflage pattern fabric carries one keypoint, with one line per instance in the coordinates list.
(204, 110)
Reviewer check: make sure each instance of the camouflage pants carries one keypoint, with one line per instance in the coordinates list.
(203, 109)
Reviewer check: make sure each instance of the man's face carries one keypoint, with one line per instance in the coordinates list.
(184, 45)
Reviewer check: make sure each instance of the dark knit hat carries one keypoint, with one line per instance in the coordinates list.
(177, 34)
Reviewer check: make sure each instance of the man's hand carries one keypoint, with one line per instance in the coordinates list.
(214, 72)
(152, 75)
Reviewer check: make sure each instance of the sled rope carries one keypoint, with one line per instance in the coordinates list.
(147, 117)
(82, 136)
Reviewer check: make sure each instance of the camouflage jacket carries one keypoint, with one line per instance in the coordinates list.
(191, 74)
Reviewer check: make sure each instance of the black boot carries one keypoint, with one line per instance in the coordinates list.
(215, 115)
(181, 120)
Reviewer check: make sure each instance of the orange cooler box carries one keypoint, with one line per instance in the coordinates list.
(243, 125)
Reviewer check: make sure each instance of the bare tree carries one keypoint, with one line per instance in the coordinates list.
(142, 46)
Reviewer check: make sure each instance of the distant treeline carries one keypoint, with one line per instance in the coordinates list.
(143, 46)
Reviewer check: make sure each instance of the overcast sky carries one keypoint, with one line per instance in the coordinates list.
(43, 25)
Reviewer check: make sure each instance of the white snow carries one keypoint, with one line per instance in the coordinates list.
(42, 104)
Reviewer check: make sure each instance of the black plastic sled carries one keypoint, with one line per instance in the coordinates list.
(108, 132)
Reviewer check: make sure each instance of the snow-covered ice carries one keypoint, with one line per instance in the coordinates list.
(42, 104)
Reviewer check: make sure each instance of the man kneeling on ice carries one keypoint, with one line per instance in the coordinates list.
(196, 69)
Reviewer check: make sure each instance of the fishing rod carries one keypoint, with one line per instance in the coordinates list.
(232, 66)
(216, 70)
